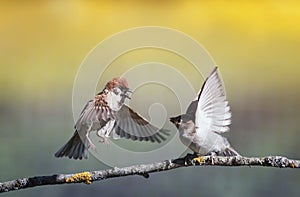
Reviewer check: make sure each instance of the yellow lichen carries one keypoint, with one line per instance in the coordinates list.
(293, 165)
(199, 160)
(85, 177)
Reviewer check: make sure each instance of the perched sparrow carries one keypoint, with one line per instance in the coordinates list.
(206, 118)
(109, 116)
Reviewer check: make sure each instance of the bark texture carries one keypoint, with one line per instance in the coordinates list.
(145, 169)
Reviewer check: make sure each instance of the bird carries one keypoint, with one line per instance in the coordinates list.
(109, 117)
(206, 118)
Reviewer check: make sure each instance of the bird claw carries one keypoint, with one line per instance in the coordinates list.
(103, 140)
(93, 147)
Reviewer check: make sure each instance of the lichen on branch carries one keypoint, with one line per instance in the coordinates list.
(145, 169)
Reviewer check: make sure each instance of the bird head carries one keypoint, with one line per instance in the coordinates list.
(119, 86)
(182, 120)
(176, 120)
(116, 91)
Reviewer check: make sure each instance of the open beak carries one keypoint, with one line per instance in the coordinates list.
(127, 96)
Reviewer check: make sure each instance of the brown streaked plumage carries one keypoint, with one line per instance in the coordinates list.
(109, 116)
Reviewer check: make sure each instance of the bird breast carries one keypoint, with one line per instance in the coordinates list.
(188, 136)
(114, 101)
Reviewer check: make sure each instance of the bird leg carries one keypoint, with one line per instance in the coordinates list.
(90, 143)
(103, 139)
(105, 131)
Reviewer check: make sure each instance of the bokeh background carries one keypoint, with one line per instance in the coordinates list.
(256, 44)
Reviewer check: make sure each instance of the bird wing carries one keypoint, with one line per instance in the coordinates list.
(212, 112)
(131, 125)
(92, 113)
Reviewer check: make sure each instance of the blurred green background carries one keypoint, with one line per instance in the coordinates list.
(256, 44)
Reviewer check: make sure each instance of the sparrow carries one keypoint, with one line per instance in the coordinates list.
(206, 118)
(109, 117)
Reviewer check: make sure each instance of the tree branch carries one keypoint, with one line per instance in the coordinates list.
(145, 169)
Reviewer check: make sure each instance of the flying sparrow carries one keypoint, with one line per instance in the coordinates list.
(109, 117)
(206, 118)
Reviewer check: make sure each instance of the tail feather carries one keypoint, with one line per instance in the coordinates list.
(75, 148)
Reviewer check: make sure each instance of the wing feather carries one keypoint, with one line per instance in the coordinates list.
(131, 125)
(90, 114)
(212, 112)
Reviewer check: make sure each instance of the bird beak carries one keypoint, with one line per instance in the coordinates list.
(126, 96)
(176, 121)
(126, 93)
(173, 120)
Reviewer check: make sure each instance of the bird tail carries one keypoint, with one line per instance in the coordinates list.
(76, 148)
(229, 152)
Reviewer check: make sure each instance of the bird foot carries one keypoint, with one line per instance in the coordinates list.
(93, 147)
(104, 140)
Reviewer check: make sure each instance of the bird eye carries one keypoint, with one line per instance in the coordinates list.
(116, 91)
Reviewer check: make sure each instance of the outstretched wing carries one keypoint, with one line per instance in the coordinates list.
(212, 112)
(131, 125)
(92, 113)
